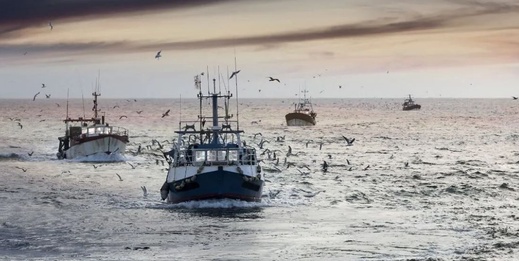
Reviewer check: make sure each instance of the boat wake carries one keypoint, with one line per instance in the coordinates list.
(210, 203)
(12, 156)
(101, 158)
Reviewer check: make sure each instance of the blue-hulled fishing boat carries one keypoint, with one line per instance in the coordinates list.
(211, 162)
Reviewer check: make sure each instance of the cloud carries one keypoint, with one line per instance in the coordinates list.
(20, 14)
(455, 18)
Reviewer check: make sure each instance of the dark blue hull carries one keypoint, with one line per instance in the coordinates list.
(216, 185)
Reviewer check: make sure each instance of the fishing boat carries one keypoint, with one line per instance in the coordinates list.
(410, 105)
(303, 114)
(90, 137)
(212, 162)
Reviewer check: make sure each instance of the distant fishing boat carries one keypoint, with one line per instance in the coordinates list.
(303, 114)
(410, 105)
(98, 138)
(211, 162)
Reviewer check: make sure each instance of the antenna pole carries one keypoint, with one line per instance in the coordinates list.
(83, 99)
(67, 103)
(208, 81)
(219, 82)
(180, 121)
(236, 83)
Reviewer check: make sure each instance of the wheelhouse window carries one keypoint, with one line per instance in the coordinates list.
(200, 155)
(233, 155)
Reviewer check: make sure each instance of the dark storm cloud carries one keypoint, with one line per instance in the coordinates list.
(25, 13)
(453, 18)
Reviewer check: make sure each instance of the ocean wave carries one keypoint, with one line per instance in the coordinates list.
(12, 156)
(101, 158)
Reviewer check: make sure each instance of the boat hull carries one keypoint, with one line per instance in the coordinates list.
(101, 145)
(217, 184)
(299, 119)
(412, 107)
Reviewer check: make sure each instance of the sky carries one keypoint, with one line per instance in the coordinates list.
(332, 48)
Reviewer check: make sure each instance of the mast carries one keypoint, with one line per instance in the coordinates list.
(215, 114)
(95, 94)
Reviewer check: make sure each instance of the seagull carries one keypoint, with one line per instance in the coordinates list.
(157, 56)
(95, 167)
(324, 166)
(30, 153)
(115, 106)
(406, 164)
(144, 191)
(165, 114)
(34, 98)
(57, 104)
(43, 85)
(262, 141)
(350, 142)
(21, 126)
(515, 98)
(234, 73)
(273, 79)
(120, 179)
(259, 133)
(124, 116)
(366, 168)
(24, 170)
(138, 112)
(51, 27)
(133, 167)
(47, 95)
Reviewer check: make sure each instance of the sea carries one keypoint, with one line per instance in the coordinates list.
(440, 183)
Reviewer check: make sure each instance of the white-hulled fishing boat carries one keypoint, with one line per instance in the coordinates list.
(91, 137)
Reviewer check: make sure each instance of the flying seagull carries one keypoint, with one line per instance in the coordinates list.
(144, 191)
(234, 73)
(21, 126)
(350, 142)
(30, 153)
(34, 98)
(165, 114)
(47, 95)
(120, 179)
(515, 98)
(133, 167)
(273, 79)
(24, 170)
(157, 56)
(124, 116)
(43, 85)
